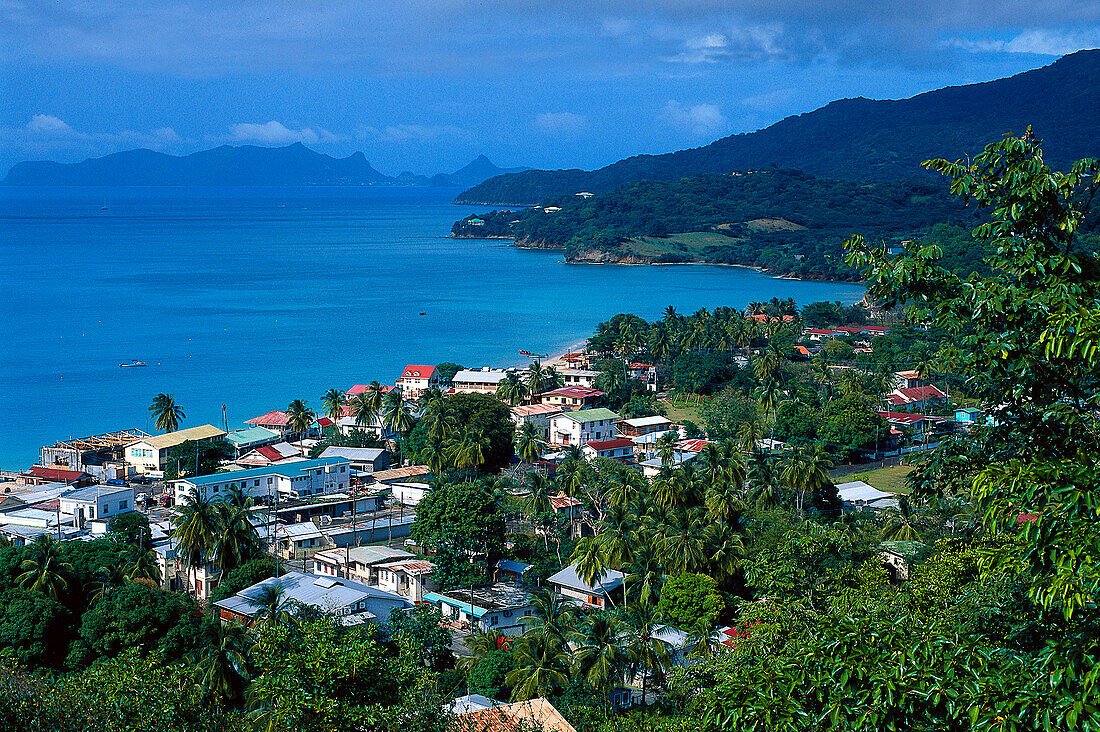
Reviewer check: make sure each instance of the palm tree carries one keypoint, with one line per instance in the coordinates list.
(901, 526)
(646, 651)
(142, 564)
(220, 666)
(374, 396)
(468, 449)
(666, 447)
(434, 455)
(683, 546)
(363, 411)
(512, 389)
(645, 575)
(333, 404)
(528, 442)
(272, 607)
(481, 643)
(805, 472)
(536, 379)
(725, 549)
(195, 529)
(590, 557)
(236, 541)
(552, 620)
(43, 570)
(106, 580)
(166, 413)
(395, 415)
(299, 417)
(600, 657)
(540, 670)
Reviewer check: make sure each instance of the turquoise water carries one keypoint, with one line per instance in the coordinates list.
(254, 297)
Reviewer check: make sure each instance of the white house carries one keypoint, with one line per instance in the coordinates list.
(393, 570)
(416, 379)
(363, 459)
(478, 381)
(537, 414)
(606, 591)
(579, 377)
(640, 426)
(617, 449)
(148, 454)
(293, 480)
(409, 494)
(583, 426)
(97, 502)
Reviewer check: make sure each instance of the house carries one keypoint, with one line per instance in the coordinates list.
(567, 506)
(249, 439)
(393, 570)
(363, 459)
(349, 423)
(396, 474)
(349, 602)
(276, 421)
(819, 334)
(91, 454)
(331, 505)
(579, 377)
(652, 468)
(537, 414)
(644, 425)
(41, 475)
(364, 388)
(607, 591)
(859, 496)
(922, 426)
(266, 455)
(967, 416)
(148, 455)
(582, 426)
(97, 503)
(573, 397)
(478, 381)
(900, 556)
(644, 372)
(693, 445)
(908, 379)
(409, 494)
(919, 397)
(617, 449)
(293, 480)
(499, 606)
(415, 380)
(508, 570)
(533, 715)
(303, 540)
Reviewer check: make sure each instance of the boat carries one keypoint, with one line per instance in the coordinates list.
(132, 363)
(533, 355)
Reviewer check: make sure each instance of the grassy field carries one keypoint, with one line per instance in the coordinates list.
(681, 410)
(690, 244)
(889, 480)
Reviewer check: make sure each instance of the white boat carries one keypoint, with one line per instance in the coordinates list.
(132, 363)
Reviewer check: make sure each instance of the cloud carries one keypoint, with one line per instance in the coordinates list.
(561, 123)
(276, 133)
(701, 120)
(47, 124)
(1040, 42)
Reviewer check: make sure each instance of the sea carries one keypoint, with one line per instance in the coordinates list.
(252, 297)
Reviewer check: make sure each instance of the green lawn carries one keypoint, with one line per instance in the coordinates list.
(691, 244)
(889, 480)
(681, 411)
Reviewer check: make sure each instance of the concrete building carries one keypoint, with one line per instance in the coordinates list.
(582, 426)
(537, 414)
(606, 591)
(500, 607)
(640, 426)
(349, 602)
(579, 377)
(276, 420)
(91, 454)
(617, 449)
(249, 439)
(415, 380)
(393, 570)
(362, 459)
(293, 480)
(573, 397)
(97, 503)
(478, 381)
(409, 494)
(266, 455)
(148, 455)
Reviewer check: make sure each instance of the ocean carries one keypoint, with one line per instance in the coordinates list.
(254, 297)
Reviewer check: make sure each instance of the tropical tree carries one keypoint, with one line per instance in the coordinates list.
(43, 570)
(541, 670)
(333, 404)
(599, 656)
(299, 417)
(273, 609)
(362, 409)
(166, 413)
(512, 389)
(901, 527)
(528, 444)
(236, 541)
(195, 528)
(590, 558)
(666, 447)
(647, 652)
(805, 472)
(683, 545)
(220, 666)
(434, 454)
(141, 564)
(395, 415)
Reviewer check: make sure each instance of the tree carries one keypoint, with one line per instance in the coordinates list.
(528, 446)
(599, 656)
(195, 457)
(456, 519)
(333, 404)
(195, 528)
(235, 541)
(485, 416)
(167, 415)
(251, 572)
(43, 570)
(849, 424)
(421, 634)
(299, 417)
(647, 652)
(34, 628)
(131, 528)
(220, 664)
(362, 409)
(141, 615)
(446, 371)
(690, 600)
(395, 415)
(512, 389)
(489, 675)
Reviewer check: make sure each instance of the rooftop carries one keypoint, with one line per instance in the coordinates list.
(369, 454)
(418, 372)
(608, 582)
(55, 474)
(486, 598)
(276, 417)
(488, 376)
(578, 392)
(857, 490)
(326, 593)
(366, 555)
(250, 435)
(648, 421)
(383, 476)
(92, 492)
(599, 445)
(528, 410)
(171, 439)
(288, 470)
(589, 415)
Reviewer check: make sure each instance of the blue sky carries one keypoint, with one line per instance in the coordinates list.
(426, 86)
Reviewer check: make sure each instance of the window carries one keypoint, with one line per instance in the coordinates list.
(122, 506)
(507, 613)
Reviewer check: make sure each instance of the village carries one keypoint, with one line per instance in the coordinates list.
(332, 497)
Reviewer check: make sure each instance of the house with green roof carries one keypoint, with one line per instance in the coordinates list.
(249, 439)
(583, 426)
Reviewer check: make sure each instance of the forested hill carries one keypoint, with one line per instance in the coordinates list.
(863, 139)
(783, 220)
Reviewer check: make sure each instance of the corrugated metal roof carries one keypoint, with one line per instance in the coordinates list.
(589, 415)
(171, 439)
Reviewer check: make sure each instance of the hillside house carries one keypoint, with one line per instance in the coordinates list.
(607, 590)
(618, 449)
(292, 480)
(148, 455)
(573, 397)
(478, 381)
(349, 602)
(579, 377)
(500, 607)
(415, 380)
(276, 420)
(644, 426)
(583, 426)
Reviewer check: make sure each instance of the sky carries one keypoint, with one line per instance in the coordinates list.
(428, 85)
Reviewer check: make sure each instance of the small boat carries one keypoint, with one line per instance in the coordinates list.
(533, 355)
(133, 362)
(423, 313)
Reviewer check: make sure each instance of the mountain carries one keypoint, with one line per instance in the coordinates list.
(247, 165)
(479, 170)
(863, 139)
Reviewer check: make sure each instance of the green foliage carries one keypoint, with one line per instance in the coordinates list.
(140, 615)
(456, 518)
(724, 413)
(849, 424)
(421, 635)
(689, 601)
(34, 629)
(446, 371)
(487, 677)
(253, 571)
(485, 416)
(797, 423)
(130, 528)
(195, 457)
(702, 373)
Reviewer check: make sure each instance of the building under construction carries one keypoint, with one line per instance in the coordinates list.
(89, 454)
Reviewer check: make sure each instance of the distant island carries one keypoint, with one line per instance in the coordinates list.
(861, 139)
(246, 165)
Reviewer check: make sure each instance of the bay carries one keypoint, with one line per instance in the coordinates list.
(254, 297)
